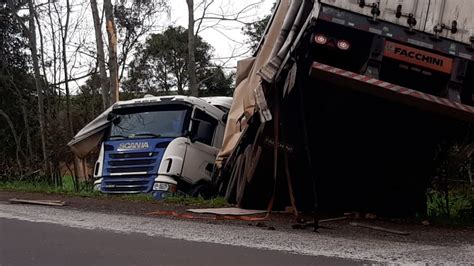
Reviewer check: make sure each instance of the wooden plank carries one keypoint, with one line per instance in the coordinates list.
(382, 229)
(332, 219)
(227, 211)
(38, 202)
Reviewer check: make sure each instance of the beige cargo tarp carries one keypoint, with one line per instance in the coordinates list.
(284, 27)
(90, 136)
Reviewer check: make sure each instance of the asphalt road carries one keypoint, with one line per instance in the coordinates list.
(39, 235)
(37, 243)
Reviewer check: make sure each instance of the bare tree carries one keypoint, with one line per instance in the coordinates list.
(53, 40)
(43, 65)
(213, 19)
(39, 91)
(112, 37)
(26, 123)
(55, 46)
(100, 55)
(135, 19)
(64, 36)
(193, 83)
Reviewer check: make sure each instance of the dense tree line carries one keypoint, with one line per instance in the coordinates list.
(59, 70)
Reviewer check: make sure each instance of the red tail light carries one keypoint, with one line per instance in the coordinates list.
(343, 45)
(320, 39)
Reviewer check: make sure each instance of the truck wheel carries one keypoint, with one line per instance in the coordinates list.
(201, 190)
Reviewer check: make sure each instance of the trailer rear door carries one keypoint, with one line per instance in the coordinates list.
(447, 12)
(388, 10)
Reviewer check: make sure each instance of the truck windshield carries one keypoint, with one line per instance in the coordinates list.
(149, 124)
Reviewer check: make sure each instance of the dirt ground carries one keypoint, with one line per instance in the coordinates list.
(417, 233)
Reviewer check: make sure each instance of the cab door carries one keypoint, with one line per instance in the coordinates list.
(200, 154)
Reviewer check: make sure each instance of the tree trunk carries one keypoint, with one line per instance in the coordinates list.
(29, 146)
(193, 86)
(43, 65)
(55, 58)
(39, 91)
(47, 102)
(64, 32)
(17, 142)
(100, 55)
(112, 36)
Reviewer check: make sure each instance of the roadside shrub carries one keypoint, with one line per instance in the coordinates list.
(451, 194)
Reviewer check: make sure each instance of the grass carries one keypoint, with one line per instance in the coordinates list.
(42, 187)
(461, 207)
(87, 192)
(461, 202)
(199, 202)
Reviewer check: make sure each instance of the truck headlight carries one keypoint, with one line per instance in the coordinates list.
(97, 184)
(158, 186)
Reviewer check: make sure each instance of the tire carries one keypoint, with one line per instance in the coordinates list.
(201, 190)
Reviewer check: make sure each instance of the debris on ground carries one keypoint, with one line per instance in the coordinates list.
(352, 214)
(226, 211)
(302, 224)
(207, 215)
(261, 224)
(370, 216)
(378, 228)
(289, 209)
(38, 202)
(332, 219)
(315, 225)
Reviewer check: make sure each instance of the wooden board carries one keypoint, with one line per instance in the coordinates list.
(227, 211)
(38, 202)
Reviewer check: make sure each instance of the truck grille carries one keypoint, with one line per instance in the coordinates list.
(130, 172)
(132, 162)
(119, 170)
(127, 184)
(133, 155)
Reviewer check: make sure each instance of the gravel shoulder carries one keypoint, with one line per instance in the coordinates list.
(423, 242)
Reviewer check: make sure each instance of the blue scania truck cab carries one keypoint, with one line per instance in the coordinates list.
(161, 145)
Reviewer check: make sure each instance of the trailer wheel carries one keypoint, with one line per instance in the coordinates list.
(230, 194)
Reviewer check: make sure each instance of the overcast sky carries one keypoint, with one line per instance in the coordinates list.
(227, 37)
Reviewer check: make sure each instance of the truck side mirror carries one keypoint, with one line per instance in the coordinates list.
(114, 118)
(201, 131)
(117, 120)
(111, 116)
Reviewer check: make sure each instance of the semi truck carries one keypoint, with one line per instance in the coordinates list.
(348, 102)
(158, 145)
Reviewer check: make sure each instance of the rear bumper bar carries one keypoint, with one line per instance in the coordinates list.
(392, 92)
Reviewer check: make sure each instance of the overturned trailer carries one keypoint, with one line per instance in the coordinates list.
(345, 104)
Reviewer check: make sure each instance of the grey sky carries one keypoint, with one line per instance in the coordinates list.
(226, 37)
